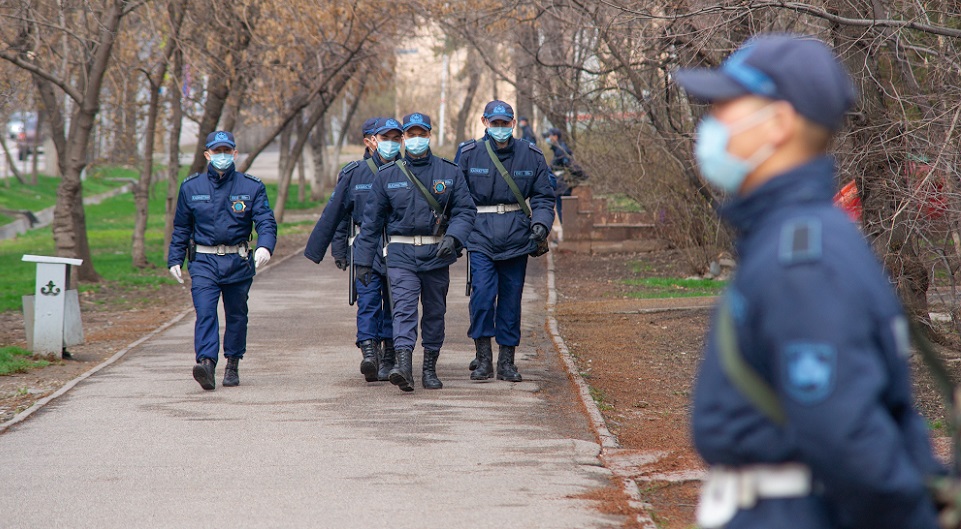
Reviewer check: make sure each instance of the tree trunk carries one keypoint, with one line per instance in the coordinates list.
(11, 163)
(317, 148)
(301, 173)
(217, 92)
(296, 152)
(173, 159)
(473, 80)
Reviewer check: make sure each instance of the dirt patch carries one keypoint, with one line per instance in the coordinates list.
(113, 318)
(640, 356)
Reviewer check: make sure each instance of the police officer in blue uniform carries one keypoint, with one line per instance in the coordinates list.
(382, 138)
(215, 214)
(506, 231)
(803, 404)
(561, 164)
(527, 133)
(423, 204)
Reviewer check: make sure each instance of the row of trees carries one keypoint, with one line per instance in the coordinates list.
(601, 70)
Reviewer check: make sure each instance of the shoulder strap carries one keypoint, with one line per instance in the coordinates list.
(431, 201)
(372, 165)
(507, 178)
(741, 374)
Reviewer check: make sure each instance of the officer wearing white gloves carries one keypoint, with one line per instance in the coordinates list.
(216, 212)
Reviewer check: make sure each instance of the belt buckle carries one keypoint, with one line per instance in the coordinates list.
(221, 249)
(501, 209)
(418, 240)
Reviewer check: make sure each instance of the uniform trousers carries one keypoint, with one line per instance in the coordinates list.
(430, 289)
(374, 320)
(495, 298)
(206, 294)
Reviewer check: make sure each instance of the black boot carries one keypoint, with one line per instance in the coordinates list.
(485, 356)
(403, 373)
(231, 374)
(204, 373)
(386, 361)
(429, 377)
(368, 366)
(505, 364)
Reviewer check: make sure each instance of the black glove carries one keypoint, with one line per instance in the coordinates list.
(341, 262)
(447, 247)
(363, 273)
(538, 232)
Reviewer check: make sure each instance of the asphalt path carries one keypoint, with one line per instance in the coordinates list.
(304, 441)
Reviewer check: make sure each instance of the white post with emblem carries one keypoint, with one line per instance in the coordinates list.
(52, 314)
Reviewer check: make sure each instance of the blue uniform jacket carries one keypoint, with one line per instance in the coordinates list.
(397, 203)
(346, 205)
(214, 210)
(816, 317)
(507, 235)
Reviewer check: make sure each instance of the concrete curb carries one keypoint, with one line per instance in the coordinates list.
(22, 416)
(607, 440)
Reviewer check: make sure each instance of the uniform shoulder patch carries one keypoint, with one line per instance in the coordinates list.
(254, 178)
(800, 241)
(349, 167)
(535, 148)
(448, 161)
(467, 145)
(191, 177)
(386, 165)
(809, 371)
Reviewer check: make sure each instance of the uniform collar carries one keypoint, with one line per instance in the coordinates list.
(419, 161)
(509, 149)
(812, 182)
(215, 177)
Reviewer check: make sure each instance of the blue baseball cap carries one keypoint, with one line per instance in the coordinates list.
(800, 70)
(369, 126)
(498, 110)
(218, 138)
(385, 124)
(416, 120)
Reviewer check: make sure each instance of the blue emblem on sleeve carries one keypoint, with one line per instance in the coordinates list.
(810, 370)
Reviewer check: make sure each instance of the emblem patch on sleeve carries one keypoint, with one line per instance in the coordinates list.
(810, 370)
(800, 241)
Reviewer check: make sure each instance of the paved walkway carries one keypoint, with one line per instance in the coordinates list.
(304, 441)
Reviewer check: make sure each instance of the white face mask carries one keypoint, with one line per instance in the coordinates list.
(719, 167)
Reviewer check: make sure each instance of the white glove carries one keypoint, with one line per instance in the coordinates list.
(261, 256)
(178, 275)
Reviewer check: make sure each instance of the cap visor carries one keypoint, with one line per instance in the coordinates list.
(708, 85)
(412, 125)
(386, 129)
(505, 117)
(220, 144)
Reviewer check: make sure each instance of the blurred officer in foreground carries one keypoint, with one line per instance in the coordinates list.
(215, 214)
(503, 174)
(527, 133)
(424, 204)
(803, 404)
(382, 137)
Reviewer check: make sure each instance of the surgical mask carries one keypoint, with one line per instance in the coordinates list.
(417, 145)
(719, 167)
(548, 140)
(500, 134)
(222, 160)
(388, 149)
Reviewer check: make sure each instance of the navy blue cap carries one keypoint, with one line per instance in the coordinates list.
(220, 137)
(385, 124)
(554, 131)
(369, 126)
(416, 120)
(800, 70)
(498, 110)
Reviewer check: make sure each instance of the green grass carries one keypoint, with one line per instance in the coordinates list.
(661, 287)
(44, 194)
(622, 203)
(109, 229)
(17, 360)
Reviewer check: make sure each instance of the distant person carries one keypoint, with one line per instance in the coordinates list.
(527, 133)
(561, 164)
(375, 338)
(422, 204)
(507, 230)
(216, 212)
(802, 405)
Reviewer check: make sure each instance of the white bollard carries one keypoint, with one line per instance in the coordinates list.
(53, 308)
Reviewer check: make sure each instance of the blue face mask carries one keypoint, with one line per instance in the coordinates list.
(719, 167)
(222, 161)
(388, 149)
(417, 145)
(500, 134)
